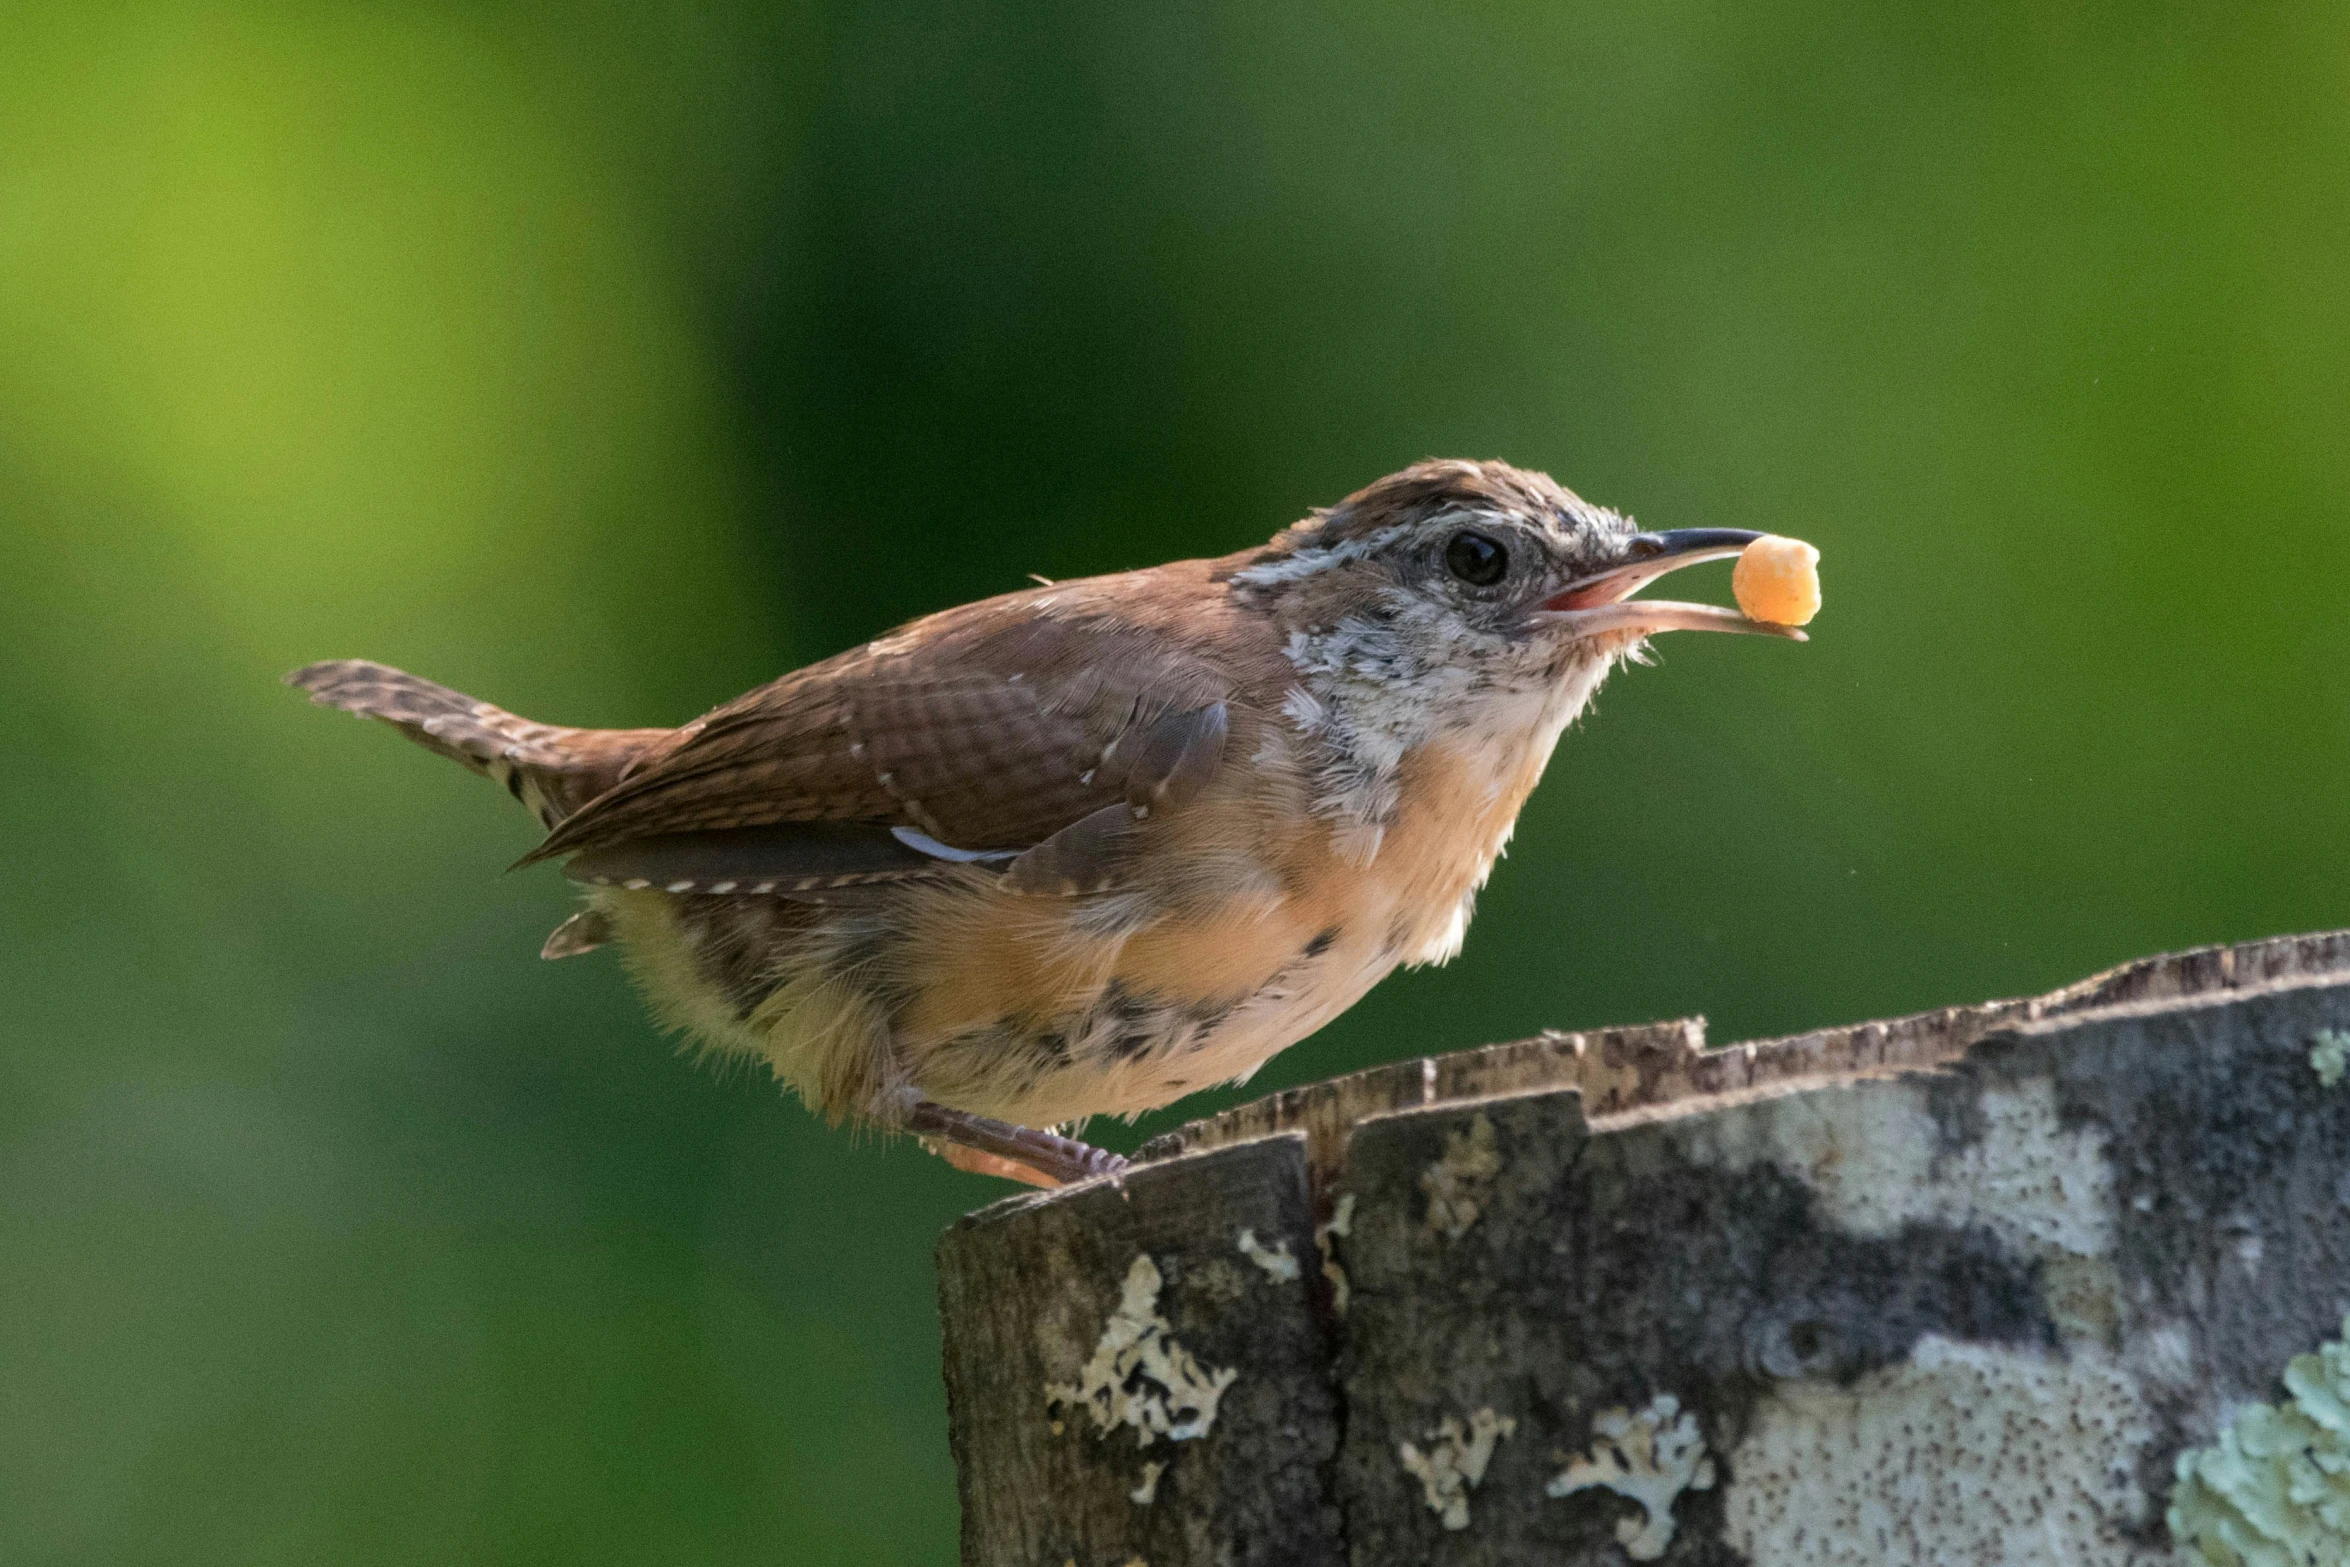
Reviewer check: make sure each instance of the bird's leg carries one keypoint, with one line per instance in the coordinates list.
(1058, 1160)
(972, 1162)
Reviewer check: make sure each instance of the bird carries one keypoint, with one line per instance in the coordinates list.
(1083, 849)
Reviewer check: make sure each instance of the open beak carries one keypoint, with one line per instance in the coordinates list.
(1603, 602)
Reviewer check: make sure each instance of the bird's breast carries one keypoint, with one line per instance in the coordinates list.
(1262, 929)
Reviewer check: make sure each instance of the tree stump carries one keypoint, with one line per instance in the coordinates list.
(2038, 1281)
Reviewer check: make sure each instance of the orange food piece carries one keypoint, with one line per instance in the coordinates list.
(1778, 580)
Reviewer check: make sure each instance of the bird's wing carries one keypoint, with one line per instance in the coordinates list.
(1002, 733)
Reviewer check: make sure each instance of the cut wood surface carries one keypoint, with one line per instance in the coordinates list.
(2037, 1281)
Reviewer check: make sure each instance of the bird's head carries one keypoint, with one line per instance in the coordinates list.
(1481, 577)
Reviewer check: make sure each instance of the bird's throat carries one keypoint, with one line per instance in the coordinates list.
(1365, 707)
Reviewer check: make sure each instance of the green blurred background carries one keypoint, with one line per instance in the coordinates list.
(605, 360)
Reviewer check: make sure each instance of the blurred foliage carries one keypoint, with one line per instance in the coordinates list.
(604, 360)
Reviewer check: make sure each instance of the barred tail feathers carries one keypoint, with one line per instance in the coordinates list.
(552, 770)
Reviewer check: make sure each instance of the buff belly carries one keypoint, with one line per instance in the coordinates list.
(1035, 1011)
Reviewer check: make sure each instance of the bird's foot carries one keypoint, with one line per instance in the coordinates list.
(986, 1146)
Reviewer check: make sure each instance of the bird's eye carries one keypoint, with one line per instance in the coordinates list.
(1476, 558)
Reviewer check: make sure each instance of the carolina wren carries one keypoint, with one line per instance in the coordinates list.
(1082, 849)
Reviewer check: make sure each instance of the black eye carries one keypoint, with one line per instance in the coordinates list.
(1476, 558)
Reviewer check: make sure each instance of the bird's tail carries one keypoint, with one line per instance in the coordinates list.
(554, 771)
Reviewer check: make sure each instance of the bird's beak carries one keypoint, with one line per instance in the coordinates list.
(1603, 602)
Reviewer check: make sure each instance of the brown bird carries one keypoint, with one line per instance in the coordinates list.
(1083, 849)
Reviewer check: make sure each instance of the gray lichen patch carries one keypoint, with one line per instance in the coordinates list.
(1455, 1462)
(1458, 1185)
(1879, 1161)
(1275, 1259)
(1147, 1491)
(1651, 1458)
(1139, 1376)
(1964, 1453)
(2274, 1490)
(2329, 1056)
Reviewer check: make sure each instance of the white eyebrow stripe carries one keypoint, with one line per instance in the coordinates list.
(923, 843)
(1309, 559)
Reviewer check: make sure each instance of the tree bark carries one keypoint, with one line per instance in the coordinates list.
(1978, 1286)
